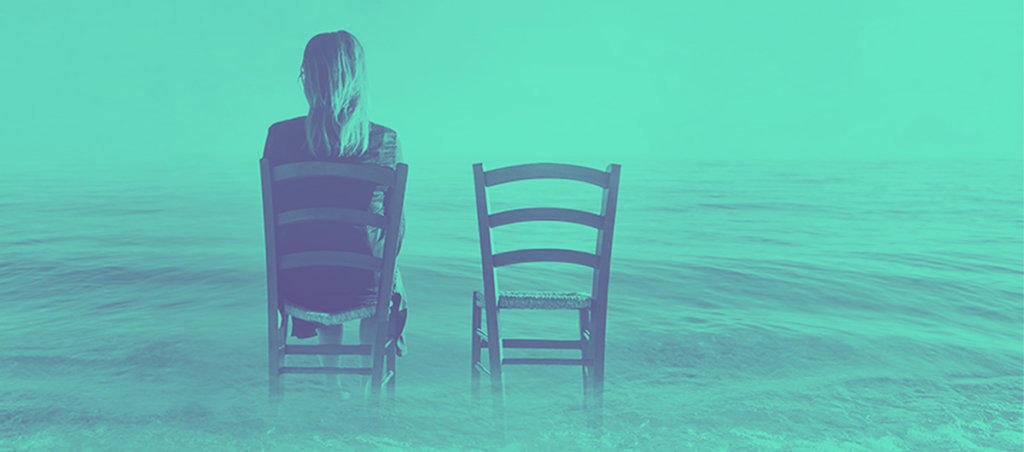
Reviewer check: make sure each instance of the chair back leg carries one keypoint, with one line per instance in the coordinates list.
(382, 374)
(276, 336)
(597, 338)
(475, 362)
(377, 367)
(494, 355)
(391, 364)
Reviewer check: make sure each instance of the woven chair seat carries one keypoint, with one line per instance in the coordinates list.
(538, 300)
(331, 318)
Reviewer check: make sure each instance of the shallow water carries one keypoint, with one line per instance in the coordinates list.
(754, 305)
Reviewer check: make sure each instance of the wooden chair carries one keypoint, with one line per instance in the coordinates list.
(592, 306)
(383, 347)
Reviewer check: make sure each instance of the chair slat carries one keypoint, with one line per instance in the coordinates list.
(350, 216)
(542, 344)
(326, 370)
(546, 214)
(327, 349)
(329, 259)
(379, 175)
(545, 255)
(546, 171)
(544, 361)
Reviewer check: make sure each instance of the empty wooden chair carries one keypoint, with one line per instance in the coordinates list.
(383, 348)
(592, 306)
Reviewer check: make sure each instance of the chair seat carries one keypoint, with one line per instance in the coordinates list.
(331, 318)
(538, 300)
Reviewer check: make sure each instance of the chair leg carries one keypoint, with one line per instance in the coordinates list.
(274, 378)
(597, 347)
(379, 356)
(276, 337)
(585, 352)
(494, 354)
(392, 352)
(475, 352)
(392, 358)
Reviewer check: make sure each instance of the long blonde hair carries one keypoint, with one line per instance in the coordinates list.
(333, 75)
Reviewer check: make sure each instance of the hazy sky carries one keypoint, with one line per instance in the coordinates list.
(505, 82)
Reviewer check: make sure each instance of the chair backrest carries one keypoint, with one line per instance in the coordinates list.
(394, 182)
(599, 261)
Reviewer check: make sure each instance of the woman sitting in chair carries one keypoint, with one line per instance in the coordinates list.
(336, 128)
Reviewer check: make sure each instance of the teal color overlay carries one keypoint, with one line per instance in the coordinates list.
(819, 241)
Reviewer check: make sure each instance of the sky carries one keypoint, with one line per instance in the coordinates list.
(588, 82)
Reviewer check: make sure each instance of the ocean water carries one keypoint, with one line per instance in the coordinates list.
(755, 305)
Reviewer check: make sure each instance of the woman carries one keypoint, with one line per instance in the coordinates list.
(336, 129)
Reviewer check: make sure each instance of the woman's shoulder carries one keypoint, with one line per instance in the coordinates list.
(289, 126)
(381, 135)
(381, 129)
(383, 145)
(286, 140)
(297, 126)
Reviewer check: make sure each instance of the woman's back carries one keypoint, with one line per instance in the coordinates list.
(328, 289)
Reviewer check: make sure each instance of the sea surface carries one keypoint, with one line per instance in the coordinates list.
(755, 305)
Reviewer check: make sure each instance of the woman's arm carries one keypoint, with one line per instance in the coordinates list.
(391, 155)
(399, 158)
